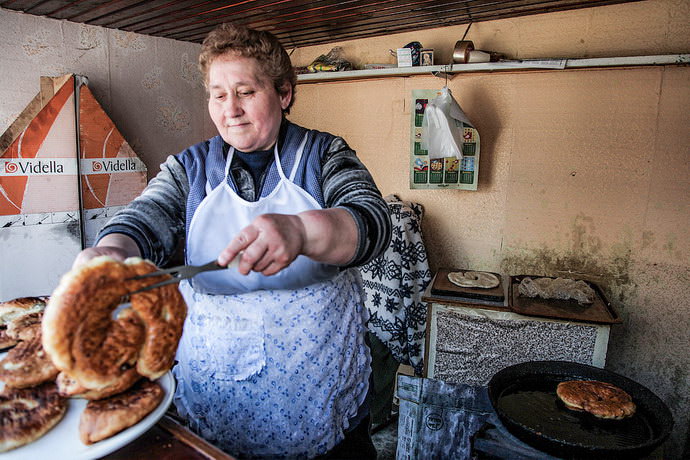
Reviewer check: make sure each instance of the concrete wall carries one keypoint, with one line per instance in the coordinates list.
(149, 86)
(582, 173)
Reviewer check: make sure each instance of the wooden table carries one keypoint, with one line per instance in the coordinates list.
(168, 440)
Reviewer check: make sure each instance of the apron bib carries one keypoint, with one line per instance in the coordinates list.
(223, 213)
(265, 371)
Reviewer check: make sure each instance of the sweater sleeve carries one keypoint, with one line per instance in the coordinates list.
(156, 218)
(348, 184)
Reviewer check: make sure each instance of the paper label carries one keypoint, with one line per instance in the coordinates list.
(37, 166)
(441, 172)
(404, 57)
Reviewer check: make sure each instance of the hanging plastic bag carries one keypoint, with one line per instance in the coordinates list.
(442, 127)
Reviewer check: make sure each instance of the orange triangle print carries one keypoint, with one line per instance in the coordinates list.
(27, 145)
(112, 174)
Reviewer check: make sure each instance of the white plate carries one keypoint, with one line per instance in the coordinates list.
(62, 442)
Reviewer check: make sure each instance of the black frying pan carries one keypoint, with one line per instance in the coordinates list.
(524, 397)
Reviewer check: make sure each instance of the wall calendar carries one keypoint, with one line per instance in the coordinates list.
(450, 172)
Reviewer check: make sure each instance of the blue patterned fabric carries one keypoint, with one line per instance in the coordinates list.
(395, 282)
(311, 373)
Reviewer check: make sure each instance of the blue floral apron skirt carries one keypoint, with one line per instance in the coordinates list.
(274, 373)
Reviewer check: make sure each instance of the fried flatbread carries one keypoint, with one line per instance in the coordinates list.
(27, 364)
(17, 307)
(29, 413)
(13, 311)
(106, 417)
(20, 327)
(600, 399)
(69, 387)
(5, 340)
(83, 339)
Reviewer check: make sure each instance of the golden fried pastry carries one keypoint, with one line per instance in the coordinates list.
(5, 340)
(70, 388)
(600, 399)
(29, 413)
(17, 307)
(13, 311)
(99, 351)
(106, 417)
(27, 364)
(19, 327)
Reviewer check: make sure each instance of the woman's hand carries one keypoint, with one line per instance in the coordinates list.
(269, 244)
(115, 245)
(272, 241)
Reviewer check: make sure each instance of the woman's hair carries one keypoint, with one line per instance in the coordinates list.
(238, 40)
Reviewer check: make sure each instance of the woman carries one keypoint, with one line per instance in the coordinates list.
(272, 362)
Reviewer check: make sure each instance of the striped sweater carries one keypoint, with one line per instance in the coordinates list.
(158, 219)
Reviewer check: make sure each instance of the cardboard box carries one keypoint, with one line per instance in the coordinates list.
(404, 57)
(53, 200)
(438, 419)
(426, 57)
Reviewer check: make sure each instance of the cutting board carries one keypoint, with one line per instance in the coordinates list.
(443, 287)
(601, 311)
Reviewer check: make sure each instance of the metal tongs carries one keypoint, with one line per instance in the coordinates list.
(180, 273)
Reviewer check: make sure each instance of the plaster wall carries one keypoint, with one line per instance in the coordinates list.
(150, 87)
(638, 28)
(582, 173)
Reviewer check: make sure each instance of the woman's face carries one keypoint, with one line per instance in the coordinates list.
(244, 105)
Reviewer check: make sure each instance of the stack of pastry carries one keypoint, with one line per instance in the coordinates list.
(88, 344)
(29, 402)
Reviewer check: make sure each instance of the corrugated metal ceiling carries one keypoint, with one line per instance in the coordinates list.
(294, 22)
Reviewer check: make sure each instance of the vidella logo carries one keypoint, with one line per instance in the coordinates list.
(37, 166)
(111, 165)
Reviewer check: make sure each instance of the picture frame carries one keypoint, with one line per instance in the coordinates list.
(426, 57)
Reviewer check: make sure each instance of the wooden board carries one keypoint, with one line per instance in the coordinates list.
(443, 287)
(169, 440)
(601, 311)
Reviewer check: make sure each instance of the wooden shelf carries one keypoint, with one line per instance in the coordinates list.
(528, 64)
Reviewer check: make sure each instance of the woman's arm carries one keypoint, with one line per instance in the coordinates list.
(153, 223)
(330, 235)
(272, 241)
(347, 184)
(353, 229)
(115, 245)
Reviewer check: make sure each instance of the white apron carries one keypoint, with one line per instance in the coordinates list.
(266, 371)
